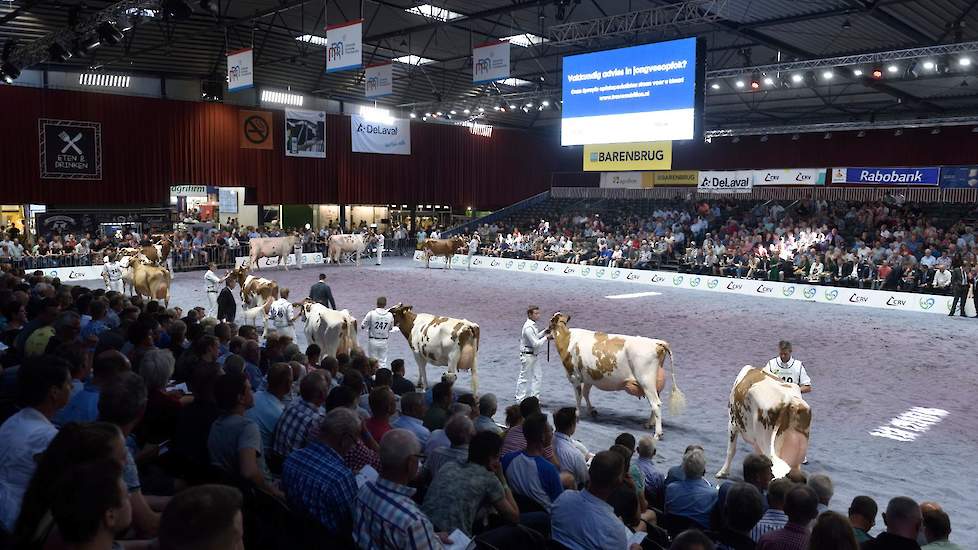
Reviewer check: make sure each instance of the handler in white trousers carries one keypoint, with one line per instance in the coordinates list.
(212, 285)
(380, 247)
(283, 315)
(532, 343)
(297, 251)
(378, 323)
(473, 247)
(112, 275)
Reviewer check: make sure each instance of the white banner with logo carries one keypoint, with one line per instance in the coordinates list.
(305, 133)
(387, 138)
(241, 70)
(621, 180)
(378, 80)
(307, 259)
(904, 301)
(344, 46)
(739, 181)
(490, 61)
(790, 176)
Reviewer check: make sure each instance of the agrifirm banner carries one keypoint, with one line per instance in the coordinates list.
(344, 46)
(740, 181)
(620, 157)
(490, 61)
(626, 180)
(887, 176)
(378, 80)
(674, 178)
(959, 177)
(305, 133)
(387, 138)
(790, 176)
(241, 70)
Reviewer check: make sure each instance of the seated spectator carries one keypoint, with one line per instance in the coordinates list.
(400, 385)
(92, 507)
(583, 520)
(293, 427)
(487, 409)
(862, 516)
(514, 439)
(942, 279)
(676, 473)
(692, 539)
(160, 420)
(902, 518)
(83, 407)
(195, 420)
(571, 459)
(832, 531)
(438, 437)
(206, 517)
(937, 530)
(384, 516)
(43, 388)
(626, 445)
(691, 497)
(654, 480)
(822, 485)
(774, 518)
(462, 489)
(315, 479)
(743, 508)
(459, 430)
(441, 399)
(270, 404)
(383, 405)
(528, 472)
(758, 471)
(801, 506)
(413, 409)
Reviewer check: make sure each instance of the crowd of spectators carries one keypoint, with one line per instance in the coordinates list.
(126, 422)
(864, 245)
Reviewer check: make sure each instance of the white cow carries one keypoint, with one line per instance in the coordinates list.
(772, 416)
(271, 247)
(615, 362)
(333, 331)
(442, 341)
(345, 244)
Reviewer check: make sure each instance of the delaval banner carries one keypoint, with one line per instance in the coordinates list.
(959, 177)
(740, 181)
(378, 80)
(790, 176)
(386, 138)
(490, 61)
(344, 46)
(241, 70)
(887, 176)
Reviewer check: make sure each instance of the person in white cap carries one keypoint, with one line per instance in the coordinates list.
(212, 284)
(379, 323)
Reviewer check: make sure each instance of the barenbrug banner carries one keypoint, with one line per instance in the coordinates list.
(305, 133)
(490, 61)
(378, 80)
(672, 178)
(241, 70)
(732, 181)
(611, 157)
(790, 176)
(70, 149)
(887, 176)
(386, 138)
(959, 177)
(344, 46)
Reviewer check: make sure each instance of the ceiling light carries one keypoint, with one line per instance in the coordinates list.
(9, 72)
(271, 96)
(515, 82)
(434, 12)
(929, 65)
(481, 110)
(426, 115)
(413, 114)
(109, 34)
(877, 74)
(87, 44)
(754, 85)
(739, 84)
(424, 119)
(497, 108)
(715, 86)
(964, 61)
(857, 72)
(935, 131)
(413, 60)
(454, 112)
(512, 106)
(827, 75)
(797, 78)
(545, 103)
(892, 69)
(828, 135)
(768, 81)
(439, 113)
(529, 104)
(525, 40)
(466, 111)
(313, 39)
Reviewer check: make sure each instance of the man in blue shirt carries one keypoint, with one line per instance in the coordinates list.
(691, 497)
(269, 403)
(413, 409)
(83, 406)
(528, 472)
(581, 520)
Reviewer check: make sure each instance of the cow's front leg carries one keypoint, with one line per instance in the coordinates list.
(731, 451)
(587, 399)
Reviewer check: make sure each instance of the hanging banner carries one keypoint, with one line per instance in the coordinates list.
(70, 149)
(673, 178)
(626, 180)
(255, 130)
(490, 61)
(305, 133)
(344, 46)
(790, 176)
(392, 137)
(959, 177)
(378, 80)
(241, 70)
(227, 200)
(887, 176)
(740, 181)
(615, 157)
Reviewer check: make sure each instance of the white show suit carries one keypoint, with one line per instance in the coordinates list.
(532, 342)
(112, 275)
(380, 247)
(792, 372)
(473, 248)
(280, 313)
(211, 280)
(297, 252)
(379, 323)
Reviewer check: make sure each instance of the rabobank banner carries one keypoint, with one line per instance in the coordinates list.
(959, 177)
(344, 46)
(887, 176)
(739, 181)
(490, 61)
(392, 137)
(790, 176)
(378, 80)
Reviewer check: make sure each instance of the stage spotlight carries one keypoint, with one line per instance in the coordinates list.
(413, 114)
(545, 103)
(964, 61)
(715, 86)
(828, 75)
(857, 72)
(929, 65)
(862, 133)
(795, 137)
(466, 111)
(87, 44)
(892, 69)
(797, 78)
(877, 74)
(739, 84)
(898, 132)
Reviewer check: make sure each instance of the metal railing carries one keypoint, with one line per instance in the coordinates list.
(468, 226)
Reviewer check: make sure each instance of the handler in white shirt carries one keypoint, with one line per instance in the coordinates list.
(212, 285)
(532, 342)
(380, 247)
(297, 251)
(379, 323)
(112, 274)
(789, 369)
(473, 247)
(282, 315)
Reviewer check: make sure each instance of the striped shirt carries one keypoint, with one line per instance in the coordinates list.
(317, 482)
(790, 537)
(292, 430)
(770, 521)
(385, 518)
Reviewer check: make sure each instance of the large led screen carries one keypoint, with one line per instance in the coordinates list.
(639, 93)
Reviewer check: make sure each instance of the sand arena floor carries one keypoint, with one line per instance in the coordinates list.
(868, 366)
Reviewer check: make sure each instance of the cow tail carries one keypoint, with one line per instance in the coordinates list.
(677, 399)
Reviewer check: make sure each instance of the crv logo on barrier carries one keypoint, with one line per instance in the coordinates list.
(632, 276)
(509, 264)
(734, 286)
(534, 266)
(600, 273)
(494, 263)
(895, 302)
(763, 289)
(657, 279)
(521, 265)
(857, 299)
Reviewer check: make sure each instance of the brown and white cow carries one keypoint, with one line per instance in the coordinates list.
(345, 243)
(151, 281)
(271, 247)
(442, 341)
(615, 362)
(441, 247)
(771, 416)
(333, 331)
(253, 290)
(157, 253)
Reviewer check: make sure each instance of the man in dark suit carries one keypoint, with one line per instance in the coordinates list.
(227, 308)
(959, 286)
(321, 293)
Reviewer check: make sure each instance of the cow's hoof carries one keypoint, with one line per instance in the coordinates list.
(594, 413)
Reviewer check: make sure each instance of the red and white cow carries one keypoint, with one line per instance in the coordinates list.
(442, 341)
(615, 362)
(333, 331)
(271, 247)
(772, 416)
